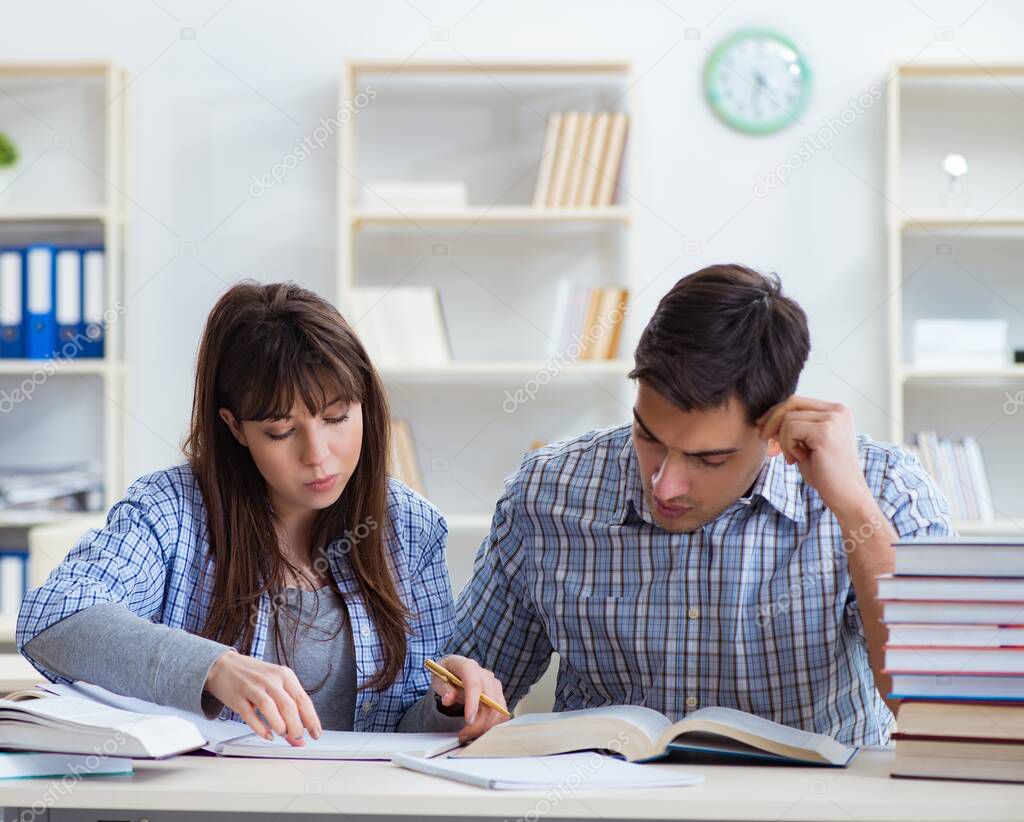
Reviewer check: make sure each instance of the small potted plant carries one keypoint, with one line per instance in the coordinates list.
(8, 161)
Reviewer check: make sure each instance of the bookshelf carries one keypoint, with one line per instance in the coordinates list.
(71, 124)
(952, 253)
(483, 124)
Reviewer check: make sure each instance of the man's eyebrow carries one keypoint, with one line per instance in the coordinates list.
(711, 452)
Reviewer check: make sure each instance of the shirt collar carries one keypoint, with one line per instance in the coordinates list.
(777, 484)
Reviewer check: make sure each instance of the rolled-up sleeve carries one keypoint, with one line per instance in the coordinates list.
(496, 623)
(122, 562)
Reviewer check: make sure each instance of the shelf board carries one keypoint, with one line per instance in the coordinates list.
(469, 522)
(951, 219)
(1007, 372)
(498, 215)
(8, 626)
(490, 67)
(72, 367)
(505, 368)
(55, 215)
(30, 519)
(999, 527)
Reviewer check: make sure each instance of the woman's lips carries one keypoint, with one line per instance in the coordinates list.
(325, 484)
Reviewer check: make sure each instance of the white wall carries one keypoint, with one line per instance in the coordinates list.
(231, 102)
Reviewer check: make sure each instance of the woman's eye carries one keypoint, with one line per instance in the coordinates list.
(283, 436)
(335, 420)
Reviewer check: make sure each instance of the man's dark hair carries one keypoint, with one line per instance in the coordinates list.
(724, 331)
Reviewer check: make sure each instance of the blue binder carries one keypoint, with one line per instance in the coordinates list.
(70, 330)
(12, 299)
(93, 300)
(40, 318)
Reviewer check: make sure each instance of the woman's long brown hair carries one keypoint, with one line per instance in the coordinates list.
(264, 348)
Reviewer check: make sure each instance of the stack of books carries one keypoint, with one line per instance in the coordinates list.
(51, 302)
(958, 469)
(399, 326)
(587, 323)
(28, 490)
(581, 160)
(955, 615)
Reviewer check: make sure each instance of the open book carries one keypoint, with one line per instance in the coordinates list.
(642, 734)
(80, 726)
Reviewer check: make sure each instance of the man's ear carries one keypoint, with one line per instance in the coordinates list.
(774, 449)
(233, 426)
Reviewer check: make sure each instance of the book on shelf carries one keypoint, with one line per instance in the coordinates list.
(73, 486)
(405, 466)
(954, 611)
(639, 734)
(960, 343)
(581, 159)
(588, 321)
(958, 469)
(51, 302)
(401, 326)
(13, 580)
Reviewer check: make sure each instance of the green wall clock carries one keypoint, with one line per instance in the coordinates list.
(757, 81)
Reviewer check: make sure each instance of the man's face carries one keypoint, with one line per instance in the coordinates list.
(694, 464)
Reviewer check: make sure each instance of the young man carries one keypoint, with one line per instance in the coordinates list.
(721, 550)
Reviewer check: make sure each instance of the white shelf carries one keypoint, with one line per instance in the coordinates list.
(1007, 372)
(469, 522)
(950, 219)
(30, 519)
(999, 527)
(57, 368)
(506, 368)
(572, 67)
(56, 215)
(499, 215)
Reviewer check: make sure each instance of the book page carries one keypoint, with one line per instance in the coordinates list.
(651, 723)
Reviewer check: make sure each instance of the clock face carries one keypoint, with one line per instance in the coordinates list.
(757, 81)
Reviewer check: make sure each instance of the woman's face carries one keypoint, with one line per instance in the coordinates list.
(306, 459)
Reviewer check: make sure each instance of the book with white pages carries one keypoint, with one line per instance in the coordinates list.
(960, 557)
(641, 734)
(33, 764)
(226, 737)
(964, 636)
(983, 589)
(582, 771)
(969, 612)
(80, 726)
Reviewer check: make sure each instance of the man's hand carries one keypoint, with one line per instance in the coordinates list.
(820, 437)
(476, 680)
(246, 685)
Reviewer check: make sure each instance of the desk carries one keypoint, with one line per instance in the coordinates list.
(204, 787)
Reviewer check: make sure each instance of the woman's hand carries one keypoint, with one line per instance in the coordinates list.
(246, 684)
(477, 681)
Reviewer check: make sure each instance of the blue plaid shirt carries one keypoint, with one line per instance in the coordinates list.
(151, 552)
(754, 610)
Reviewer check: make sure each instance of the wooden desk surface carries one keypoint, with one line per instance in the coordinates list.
(862, 792)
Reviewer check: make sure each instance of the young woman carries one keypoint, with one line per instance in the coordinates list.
(279, 577)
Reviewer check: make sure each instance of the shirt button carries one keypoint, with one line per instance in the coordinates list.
(364, 631)
(691, 702)
(367, 706)
(693, 613)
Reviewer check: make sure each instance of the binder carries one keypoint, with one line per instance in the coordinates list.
(93, 284)
(12, 289)
(40, 319)
(69, 302)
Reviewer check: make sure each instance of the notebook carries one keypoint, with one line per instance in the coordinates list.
(639, 734)
(587, 771)
(35, 764)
